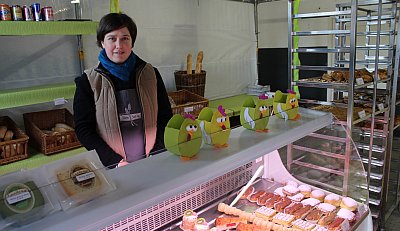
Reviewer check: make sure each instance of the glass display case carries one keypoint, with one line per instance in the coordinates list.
(154, 193)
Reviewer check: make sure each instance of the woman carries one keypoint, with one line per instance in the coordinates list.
(121, 106)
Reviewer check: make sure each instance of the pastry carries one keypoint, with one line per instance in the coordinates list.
(248, 192)
(291, 209)
(283, 219)
(221, 207)
(283, 203)
(314, 215)
(348, 203)
(263, 200)
(20, 198)
(305, 190)
(346, 214)
(270, 203)
(318, 194)
(326, 208)
(189, 220)
(201, 225)
(319, 228)
(279, 191)
(300, 213)
(335, 225)
(297, 198)
(265, 213)
(303, 225)
(254, 197)
(332, 199)
(310, 201)
(327, 219)
(228, 222)
(290, 190)
(292, 183)
(248, 227)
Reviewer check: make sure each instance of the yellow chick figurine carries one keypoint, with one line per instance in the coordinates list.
(286, 105)
(215, 127)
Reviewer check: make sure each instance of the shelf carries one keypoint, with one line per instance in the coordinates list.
(48, 28)
(372, 18)
(169, 176)
(367, 3)
(339, 86)
(375, 148)
(322, 14)
(34, 95)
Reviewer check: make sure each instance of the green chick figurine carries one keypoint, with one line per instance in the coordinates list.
(255, 115)
(215, 127)
(182, 136)
(286, 105)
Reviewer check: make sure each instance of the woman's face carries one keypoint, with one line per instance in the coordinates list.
(118, 45)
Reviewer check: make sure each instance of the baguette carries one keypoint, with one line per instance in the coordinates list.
(189, 64)
(199, 62)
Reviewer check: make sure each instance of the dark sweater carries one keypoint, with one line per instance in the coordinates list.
(85, 114)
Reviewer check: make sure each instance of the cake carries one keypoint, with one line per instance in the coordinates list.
(248, 192)
(297, 198)
(189, 220)
(292, 183)
(254, 197)
(279, 191)
(325, 207)
(265, 213)
(283, 219)
(303, 225)
(228, 222)
(310, 201)
(201, 225)
(346, 214)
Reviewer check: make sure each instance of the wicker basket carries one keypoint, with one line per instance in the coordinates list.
(35, 122)
(15, 149)
(195, 83)
(187, 102)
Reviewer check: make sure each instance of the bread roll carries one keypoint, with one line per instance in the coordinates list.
(3, 130)
(9, 135)
(349, 204)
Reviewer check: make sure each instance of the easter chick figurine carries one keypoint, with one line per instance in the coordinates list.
(215, 127)
(182, 136)
(255, 115)
(286, 105)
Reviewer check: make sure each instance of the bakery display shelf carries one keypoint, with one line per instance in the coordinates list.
(367, 3)
(374, 162)
(372, 18)
(169, 176)
(366, 131)
(322, 14)
(321, 50)
(316, 167)
(319, 152)
(371, 47)
(48, 28)
(320, 68)
(321, 32)
(375, 148)
(373, 175)
(316, 83)
(374, 189)
(328, 137)
(34, 95)
(365, 62)
(375, 202)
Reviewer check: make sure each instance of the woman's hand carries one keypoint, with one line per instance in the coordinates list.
(122, 163)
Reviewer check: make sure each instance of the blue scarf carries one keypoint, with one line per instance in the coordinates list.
(122, 71)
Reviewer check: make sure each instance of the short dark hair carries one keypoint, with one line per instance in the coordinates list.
(115, 21)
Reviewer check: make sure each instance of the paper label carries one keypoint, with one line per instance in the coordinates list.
(59, 101)
(362, 209)
(85, 176)
(259, 159)
(362, 114)
(188, 109)
(381, 107)
(345, 225)
(19, 196)
(359, 81)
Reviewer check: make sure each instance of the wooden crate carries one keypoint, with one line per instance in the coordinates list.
(187, 102)
(15, 149)
(36, 122)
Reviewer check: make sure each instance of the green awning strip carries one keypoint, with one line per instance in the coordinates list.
(114, 6)
(296, 60)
